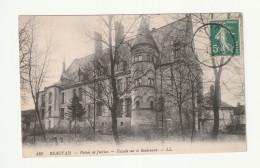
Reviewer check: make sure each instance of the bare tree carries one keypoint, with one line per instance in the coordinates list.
(104, 68)
(216, 65)
(178, 76)
(33, 63)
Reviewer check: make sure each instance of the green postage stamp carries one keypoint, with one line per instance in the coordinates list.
(225, 37)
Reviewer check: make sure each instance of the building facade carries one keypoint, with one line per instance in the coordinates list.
(141, 73)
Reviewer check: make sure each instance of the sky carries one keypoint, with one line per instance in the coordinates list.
(69, 43)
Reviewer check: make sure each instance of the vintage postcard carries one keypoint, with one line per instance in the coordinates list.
(132, 84)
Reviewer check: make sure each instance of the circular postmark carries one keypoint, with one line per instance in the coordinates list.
(202, 38)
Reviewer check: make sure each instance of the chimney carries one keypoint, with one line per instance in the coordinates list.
(188, 37)
(63, 65)
(98, 44)
(119, 32)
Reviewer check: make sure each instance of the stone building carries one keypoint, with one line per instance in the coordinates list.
(141, 71)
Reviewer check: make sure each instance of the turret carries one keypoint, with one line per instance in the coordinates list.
(144, 55)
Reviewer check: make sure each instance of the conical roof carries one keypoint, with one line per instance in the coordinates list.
(144, 35)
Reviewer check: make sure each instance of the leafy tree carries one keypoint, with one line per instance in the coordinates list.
(75, 111)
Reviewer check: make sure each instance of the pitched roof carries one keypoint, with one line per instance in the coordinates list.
(239, 110)
(144, 35)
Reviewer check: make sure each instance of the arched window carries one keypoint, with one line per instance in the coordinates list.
(148, 57)
(151, 104)
(135, 59)
(140, 57)
(138, 51)
(137, 104)
(151, 81)
(150, 51)
(138, 82)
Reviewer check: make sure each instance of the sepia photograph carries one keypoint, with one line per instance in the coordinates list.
(139, 84)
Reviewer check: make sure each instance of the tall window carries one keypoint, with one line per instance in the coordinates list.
(74, 92)
(138, 82)
(119, 66)
(128, 107)
(43, 100)
(49, 110)
(137, 104)
(120, 108)
(42, 114)
(99, 108)
(151, 104)
(62, 113)
(62, 97)
(119, 86)
(50, 97)
(89, 111)
(135, 59)
(99, 91)
(49, 125)
(140, 58)
(128, 81)
(148, 57)
(161, 101)
(151, 81)
(80, 94)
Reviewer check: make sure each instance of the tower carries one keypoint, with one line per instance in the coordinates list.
(144, 55)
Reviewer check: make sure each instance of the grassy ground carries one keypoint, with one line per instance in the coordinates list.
(67, 138)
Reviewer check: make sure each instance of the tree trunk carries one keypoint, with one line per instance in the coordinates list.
(113, 80)
(75, 129)
(216, 107)
(114, 126)
(193, 110)
(34, 127)
(38, 116)
(180, 117)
